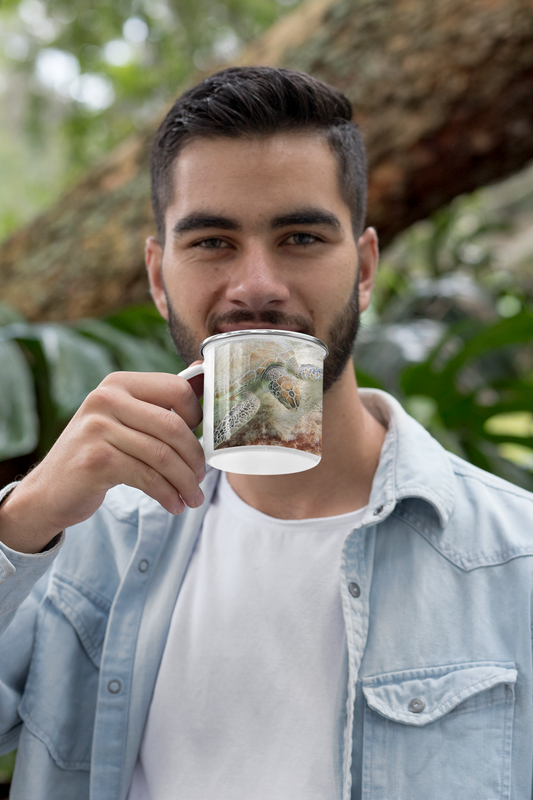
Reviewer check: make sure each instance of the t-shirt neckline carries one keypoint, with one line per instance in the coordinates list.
(227, 496)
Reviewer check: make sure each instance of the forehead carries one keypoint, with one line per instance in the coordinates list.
(255, 175)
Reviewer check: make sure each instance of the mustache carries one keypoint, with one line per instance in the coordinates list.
(269, 317)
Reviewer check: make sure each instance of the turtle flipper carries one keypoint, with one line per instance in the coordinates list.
(282, 387)
(238, 416)
(306, 372)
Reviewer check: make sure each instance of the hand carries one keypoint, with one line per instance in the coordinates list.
(135, 428)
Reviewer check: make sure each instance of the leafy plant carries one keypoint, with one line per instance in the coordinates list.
(450, 334)
(475, 393)
(48, 369)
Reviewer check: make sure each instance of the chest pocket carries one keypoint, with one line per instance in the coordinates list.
(59, 701)
(440, 732)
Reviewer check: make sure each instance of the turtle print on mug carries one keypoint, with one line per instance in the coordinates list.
(268, 392)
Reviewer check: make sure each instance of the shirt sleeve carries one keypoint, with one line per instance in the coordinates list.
(19, 572)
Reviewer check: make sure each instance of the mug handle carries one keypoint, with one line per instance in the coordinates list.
(191, 372)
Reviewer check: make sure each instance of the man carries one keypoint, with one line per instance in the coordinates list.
(359, 630)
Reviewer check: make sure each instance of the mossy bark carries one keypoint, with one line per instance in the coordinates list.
(443, 91)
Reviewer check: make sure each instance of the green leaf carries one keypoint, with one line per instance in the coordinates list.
(19, 424)
(73, 365)
(76, 366)
(131, 353)
(145, 322)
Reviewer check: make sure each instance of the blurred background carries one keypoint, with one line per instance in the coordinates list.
(78, 78)
(444, 95)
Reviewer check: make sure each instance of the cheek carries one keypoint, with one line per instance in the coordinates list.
(334, 292)
(193, 299)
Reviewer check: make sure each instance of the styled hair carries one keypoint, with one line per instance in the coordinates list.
(259, 102)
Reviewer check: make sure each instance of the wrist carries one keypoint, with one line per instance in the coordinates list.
(22, 528)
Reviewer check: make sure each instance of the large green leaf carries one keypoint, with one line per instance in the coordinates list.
(76, 366)
(19, 424)
(472, 376)
(73, 366)
(131, 353)
(144, 321)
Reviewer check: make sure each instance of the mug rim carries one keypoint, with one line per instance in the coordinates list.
(262, 332)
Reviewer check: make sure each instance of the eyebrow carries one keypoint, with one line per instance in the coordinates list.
(199, 220)
(307, 216)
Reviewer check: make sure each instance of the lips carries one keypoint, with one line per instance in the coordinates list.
(271, 319)
(252, 326)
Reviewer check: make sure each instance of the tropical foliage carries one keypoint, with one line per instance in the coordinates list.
(48, 370)
(451, 334)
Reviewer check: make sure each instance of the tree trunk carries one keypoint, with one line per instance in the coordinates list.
(442, 89)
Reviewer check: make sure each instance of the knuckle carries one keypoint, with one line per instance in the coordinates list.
(163, 455)
(98, 459)
(198, 460)
(95, 427)
(188, 486)
(182, 390)
(100, 398)
(150, 477)
(175, 425)
(115, 379)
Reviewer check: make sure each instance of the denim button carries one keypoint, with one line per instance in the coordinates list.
(143, 565)
(378, 510)
(416, 705)
(114, 687)
(354, 589)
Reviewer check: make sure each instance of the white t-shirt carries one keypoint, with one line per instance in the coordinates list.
(244, 699)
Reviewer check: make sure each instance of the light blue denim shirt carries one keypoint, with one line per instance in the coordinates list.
(435, 695)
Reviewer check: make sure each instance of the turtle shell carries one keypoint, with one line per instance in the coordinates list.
(247, 364)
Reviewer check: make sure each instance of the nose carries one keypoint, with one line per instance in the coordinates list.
(257, 282)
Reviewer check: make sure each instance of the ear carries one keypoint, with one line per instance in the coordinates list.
(153, 257)
(368, 261)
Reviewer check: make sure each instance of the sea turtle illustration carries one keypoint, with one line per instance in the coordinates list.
(264, 366)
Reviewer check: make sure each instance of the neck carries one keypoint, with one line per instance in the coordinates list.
(342, 481)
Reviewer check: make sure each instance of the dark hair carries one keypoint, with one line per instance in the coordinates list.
(257, 102)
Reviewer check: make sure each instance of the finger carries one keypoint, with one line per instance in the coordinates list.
(141, 476)
(163, 425)
(161, 459)
(156, 388)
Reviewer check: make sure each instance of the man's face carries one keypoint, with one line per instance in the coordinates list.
(258, 236)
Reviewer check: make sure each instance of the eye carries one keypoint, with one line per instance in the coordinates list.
(302, 239)
(213, 243)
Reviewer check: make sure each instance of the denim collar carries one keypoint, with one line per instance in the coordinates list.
(412, 462)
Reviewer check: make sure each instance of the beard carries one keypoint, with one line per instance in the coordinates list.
(340, 339)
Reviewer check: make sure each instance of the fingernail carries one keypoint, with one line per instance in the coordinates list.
(201, 475)
(198, 499)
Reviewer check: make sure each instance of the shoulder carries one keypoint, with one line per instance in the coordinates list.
(491, 522)
(496, 494)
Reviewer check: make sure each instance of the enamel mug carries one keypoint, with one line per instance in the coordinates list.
(262, 401)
